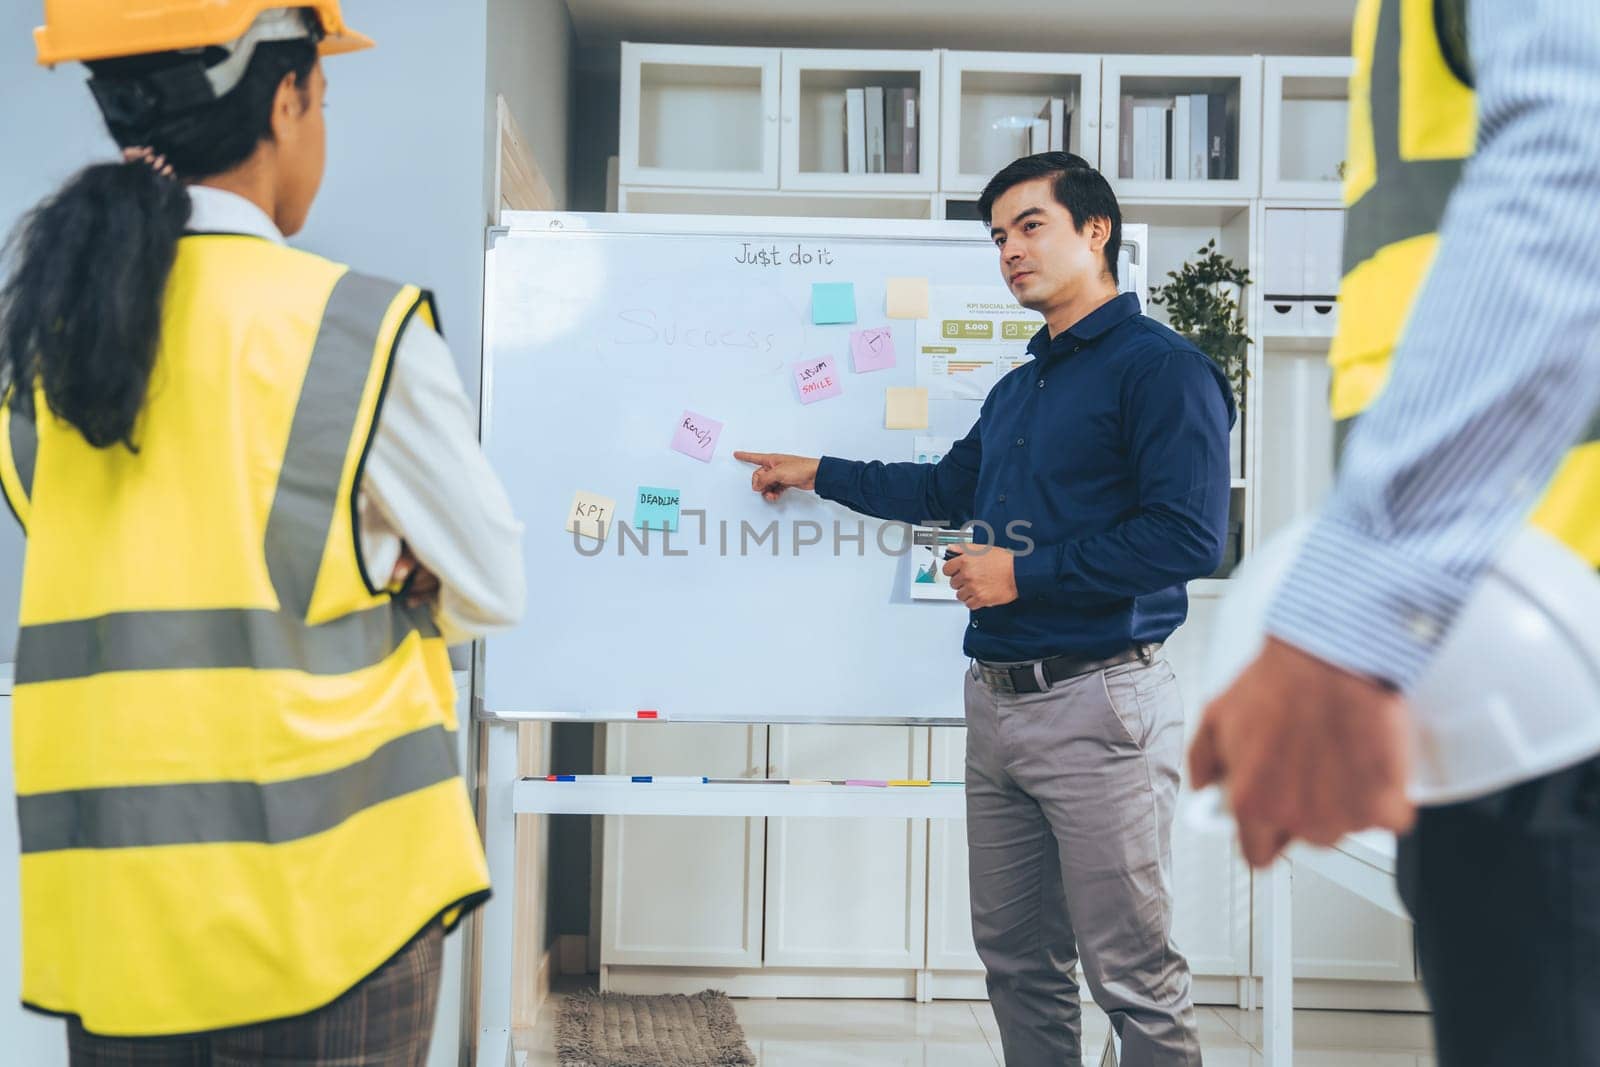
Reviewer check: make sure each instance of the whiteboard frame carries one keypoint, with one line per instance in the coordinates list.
(1134, 235)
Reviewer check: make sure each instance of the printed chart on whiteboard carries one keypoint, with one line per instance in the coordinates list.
(972, 338)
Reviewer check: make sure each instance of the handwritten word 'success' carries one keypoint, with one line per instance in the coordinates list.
(640, 326)
(773, 256)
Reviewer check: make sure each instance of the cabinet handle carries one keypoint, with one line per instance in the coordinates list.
(772, 118)
(788, 119)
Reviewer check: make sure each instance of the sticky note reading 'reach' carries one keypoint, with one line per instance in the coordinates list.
(905, 408)
(696, 436)
(590, 515)
(907, 298)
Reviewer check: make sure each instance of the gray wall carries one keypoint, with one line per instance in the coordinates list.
(530, 63)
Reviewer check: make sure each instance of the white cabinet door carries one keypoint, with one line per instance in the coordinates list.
(683, 891)
(1211, 884)
(699, 115)
(950, 945)
(847, 892)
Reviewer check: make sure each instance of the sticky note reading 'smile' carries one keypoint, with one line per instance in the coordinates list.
(872, 349)
(696, 436)
(833, 302)
(907, 298)
(656, 509)
(590, 515)
(818, 379)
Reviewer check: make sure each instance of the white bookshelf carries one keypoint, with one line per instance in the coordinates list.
(989, 99)
(1233, 83)
(815, 81)
(1303, 98)
(695, 115)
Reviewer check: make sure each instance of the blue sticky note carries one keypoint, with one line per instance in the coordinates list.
(833, 302)
(656, 509)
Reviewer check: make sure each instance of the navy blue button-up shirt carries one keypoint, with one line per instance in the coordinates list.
(1108, 452)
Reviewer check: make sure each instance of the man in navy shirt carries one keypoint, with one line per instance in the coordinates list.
(1101, 467)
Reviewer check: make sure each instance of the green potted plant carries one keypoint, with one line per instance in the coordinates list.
(1203, 301)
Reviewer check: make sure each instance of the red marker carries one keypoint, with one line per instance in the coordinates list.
(649, 715)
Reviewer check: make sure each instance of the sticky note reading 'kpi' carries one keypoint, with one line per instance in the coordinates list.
(590, 515)
(833, 302)
(656, 509)
(696, 436)
(818, 379)
(907, 298)
(905, 408)
(872, 349)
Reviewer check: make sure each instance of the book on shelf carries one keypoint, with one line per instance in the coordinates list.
(1197, 137)
(855, 131)
(1217, 125)
(875, 131)
(1038, 136)
(894, 132)
(912, 163)
(1126, 138)
(1054, 113)
(1182, 124)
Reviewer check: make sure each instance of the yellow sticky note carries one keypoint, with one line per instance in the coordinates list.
(905, 408)
(908, 298)
(590, 515)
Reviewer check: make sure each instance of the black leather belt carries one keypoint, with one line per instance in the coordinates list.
(1039, 675)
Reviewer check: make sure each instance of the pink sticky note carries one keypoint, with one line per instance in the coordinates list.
(818, 379)
(872, 349)
(696, 436)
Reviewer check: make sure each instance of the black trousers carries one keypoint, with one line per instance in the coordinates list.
(1505, 892)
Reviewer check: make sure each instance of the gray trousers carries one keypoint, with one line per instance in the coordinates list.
(1070, 797)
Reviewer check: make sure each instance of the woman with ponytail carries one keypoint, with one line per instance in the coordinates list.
(256, 514)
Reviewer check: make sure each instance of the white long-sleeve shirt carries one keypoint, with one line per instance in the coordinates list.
(427, 483)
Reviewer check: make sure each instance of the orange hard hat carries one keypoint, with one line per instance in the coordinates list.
(80, 31)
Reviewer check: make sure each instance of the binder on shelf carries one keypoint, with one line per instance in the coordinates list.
(1182, 124)
(912, 163)
(1217, 128)
(1038, 136)
(894, 132)
(1054, 113)
(1197, 137)
(1127, 137)
(875, 131)
(855, 131)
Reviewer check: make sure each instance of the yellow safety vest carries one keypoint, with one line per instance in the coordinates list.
(236, 770)
(1413, 124)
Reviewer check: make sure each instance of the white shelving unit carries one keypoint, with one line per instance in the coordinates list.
(699, 116)
(749, 904)
(1232, 82)
(1304, 97)
(815, 81)
(990, 99)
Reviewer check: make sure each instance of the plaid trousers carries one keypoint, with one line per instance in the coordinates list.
(386, 1020)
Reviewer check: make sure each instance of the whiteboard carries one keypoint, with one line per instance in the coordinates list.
(600, 332)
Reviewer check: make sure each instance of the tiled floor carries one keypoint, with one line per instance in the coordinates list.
(959, 1033)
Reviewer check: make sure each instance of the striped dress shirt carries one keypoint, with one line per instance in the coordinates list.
(1497, 374)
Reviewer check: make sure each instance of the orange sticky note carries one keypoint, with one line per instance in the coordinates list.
(905, 408)
(907, 298)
